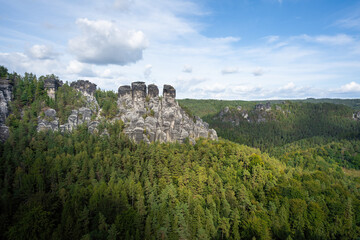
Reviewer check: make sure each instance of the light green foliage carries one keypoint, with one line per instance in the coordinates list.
(108, 103)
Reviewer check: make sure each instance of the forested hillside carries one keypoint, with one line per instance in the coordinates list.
(286, 122)
(78, 185)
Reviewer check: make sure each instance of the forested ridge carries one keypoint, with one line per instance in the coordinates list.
(79, 185)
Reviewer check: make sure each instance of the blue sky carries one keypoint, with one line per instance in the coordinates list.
(244, 49)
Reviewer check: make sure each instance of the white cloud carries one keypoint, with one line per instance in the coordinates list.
(352, 87)
(272, 38)
(102, 42)
(80, 69)
(41, 52)
(350, 22)
(187, 68)
(258, 72)
(339, 39)
(230, 70)
(147, 71)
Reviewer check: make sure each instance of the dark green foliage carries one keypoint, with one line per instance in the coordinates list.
(3, 71)
(81, 185)
(85, 186)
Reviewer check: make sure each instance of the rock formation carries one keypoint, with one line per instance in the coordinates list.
(88, 90)
(266, 107)
(84, 86)
(356, 115)
(77, 116)
(51, 85)
(149, 118)
(6, 94)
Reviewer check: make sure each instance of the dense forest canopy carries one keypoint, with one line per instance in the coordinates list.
(78, 185)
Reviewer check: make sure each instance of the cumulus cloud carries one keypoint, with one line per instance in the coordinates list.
(258, 72)
(187, 68)
(350, 88)
(41, 52)
(147, 71)
(102, 42)
(81, 69)
(230, 70)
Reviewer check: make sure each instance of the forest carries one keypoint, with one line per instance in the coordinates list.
(78, 185)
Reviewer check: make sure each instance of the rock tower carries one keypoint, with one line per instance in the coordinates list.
(149, 118)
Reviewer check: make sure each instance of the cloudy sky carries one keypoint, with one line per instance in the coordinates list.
(228, 49)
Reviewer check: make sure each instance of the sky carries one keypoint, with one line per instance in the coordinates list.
(206, 49)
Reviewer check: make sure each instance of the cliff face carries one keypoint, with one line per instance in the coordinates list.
(6, 92)
(149, 118)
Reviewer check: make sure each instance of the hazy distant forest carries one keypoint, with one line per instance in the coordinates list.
(296, 177)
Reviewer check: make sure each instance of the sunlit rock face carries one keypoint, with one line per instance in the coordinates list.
(6, 95)
(149, 118)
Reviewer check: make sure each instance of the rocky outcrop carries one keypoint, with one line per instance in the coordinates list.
(84, 86)
(88, 90)
(356, 116)
(263, 107)
(150, 118)
(49, 121)
(76, 118)
(51, 85)
(6, 94)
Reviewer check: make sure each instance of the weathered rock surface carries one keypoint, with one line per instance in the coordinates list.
(149, 118)
(6, 93)
(263, 107)
(88, 89)
(76, 118)
(49, 122)
(356, 116)
(51, 85)
(84, 86)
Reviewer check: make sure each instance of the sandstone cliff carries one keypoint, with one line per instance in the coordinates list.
(149, 118)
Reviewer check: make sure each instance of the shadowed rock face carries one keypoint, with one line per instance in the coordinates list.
(138, 90)
(6, 93)
(51, 85)
(124, 90)
(158, 119)
(153, 91)
(84, 86)
(169, 91)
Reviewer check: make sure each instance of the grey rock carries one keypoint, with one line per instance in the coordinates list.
(6, 96)
(158, 119)
(153, 91)
(84, 86)
(51, 85)
(4, 132)
(50, 113)
(124, 90)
